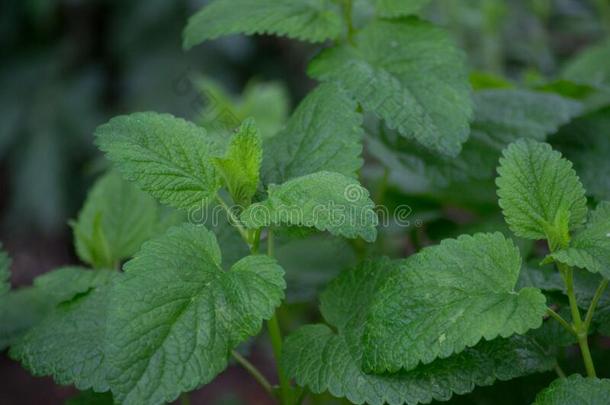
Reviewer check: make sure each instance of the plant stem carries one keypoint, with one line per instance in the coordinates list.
(185, 399)
(275, 334)
(258, 376)
(347, 15)
(233, 219)
(598, 295)
(559, 371)
(561, 321)
(580, 327)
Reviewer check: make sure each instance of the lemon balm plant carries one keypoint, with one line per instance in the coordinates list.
(168, 301)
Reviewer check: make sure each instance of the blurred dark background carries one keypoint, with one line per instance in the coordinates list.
(67, 66)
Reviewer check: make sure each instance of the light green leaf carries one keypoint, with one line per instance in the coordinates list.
(175, 315)
(307, 20)
(166, 156)
(501, 117)
(267, 102)
(539, 192)
(590, 66)
(324, 360)
(324, 133)
(575, 390)
(399, 8)
(447, 298)
(590, 248)
(240, 168)
(409, 74)
(69, 343)
(5, 275)
(65, 283)
(326, 201)
(115, 220)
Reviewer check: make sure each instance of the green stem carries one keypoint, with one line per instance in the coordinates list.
(561, 321)
(347, 15)
(580, 327)
(249, 367)
(275, 334)
(233, 219)
(185, 399)
(598, 295)
(559, 371)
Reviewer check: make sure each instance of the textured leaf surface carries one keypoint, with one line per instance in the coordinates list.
(575, 390)
(166, 156)
(240, 168)
(175, 315)
(447, 298)
(537, 189)
(324, 360)
(66, 282)
(326, 201)
(69, 343)
(590, 248)
(5, 275)
(399, 8)
(501, 117)
(323, 134)
(410, 75)
(115, 220)
(307, 20)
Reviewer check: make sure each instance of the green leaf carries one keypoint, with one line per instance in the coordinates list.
(445, 299)
(575, 390)
(399, 8)
(69, 343)
(324, 360)
(5, 275)
(166, 156)
(19, 311)
(307, 20)
(91, 398)
(115, 220)
(585, 142)
(268, 103)
(65, 283)
(326, 201)
(590, 66)
(240, 168)
(409, 74)
(590, 248)
(175, 315)
(324, 134)
(538, 189)
(501, 117)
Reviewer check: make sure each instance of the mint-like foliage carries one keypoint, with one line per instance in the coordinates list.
(326, 201)
(307, 20)
(409, 74)
(539, 192)
(575, 390)
(175, 315)
(447, 298)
